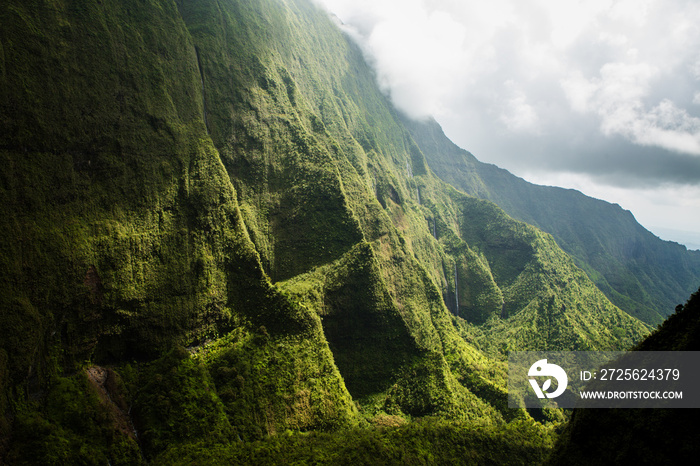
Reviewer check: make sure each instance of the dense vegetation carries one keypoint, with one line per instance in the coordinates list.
(426, 441)
(221, 241)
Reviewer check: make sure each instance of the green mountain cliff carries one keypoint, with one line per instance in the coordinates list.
(218, 231)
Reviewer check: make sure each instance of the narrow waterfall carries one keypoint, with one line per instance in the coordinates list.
(434, 232)
(456, 289)
(204, 98)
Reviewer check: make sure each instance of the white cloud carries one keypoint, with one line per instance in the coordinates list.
(545, 85)
(568, 20)
(669, 127)
(617, 97)
(419, 51)
(632, 11)
(579, 91)
(519, 115)
(418, 70)
(430, 54)
(694, 67)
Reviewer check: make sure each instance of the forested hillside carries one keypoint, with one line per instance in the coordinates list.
(219, 232)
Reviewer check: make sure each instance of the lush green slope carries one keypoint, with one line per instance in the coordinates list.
(427, 441)
(636, 270)
(320, 158)
(305, 191)
(124, 238)
(548, 302)
(218, 229)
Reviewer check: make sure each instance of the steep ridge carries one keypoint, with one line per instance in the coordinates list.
(309, 204)
(281, 260)
(637, 271)
(304, 115)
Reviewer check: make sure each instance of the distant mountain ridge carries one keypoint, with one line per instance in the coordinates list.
(689, 239)
(640, 273)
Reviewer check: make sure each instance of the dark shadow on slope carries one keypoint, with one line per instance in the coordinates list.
(640, 436)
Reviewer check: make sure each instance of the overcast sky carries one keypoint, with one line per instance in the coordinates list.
(597, 95)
